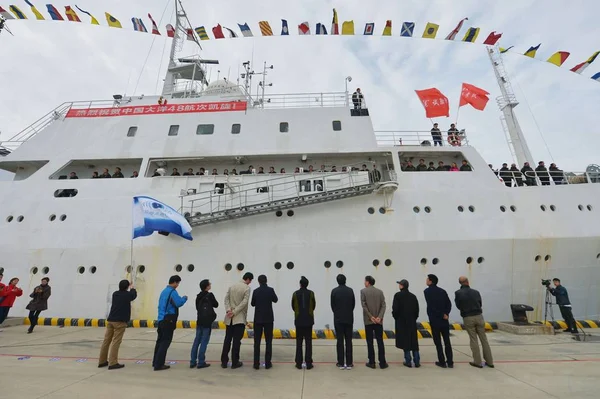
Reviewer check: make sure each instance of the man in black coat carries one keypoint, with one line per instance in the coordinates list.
(304, 304)
(438, 310)
(263, 299)
(342, 305)
(542, 173)
(405, 311)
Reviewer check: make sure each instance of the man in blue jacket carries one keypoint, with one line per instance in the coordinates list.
(438, 310)
(562, 300)
(169, 303)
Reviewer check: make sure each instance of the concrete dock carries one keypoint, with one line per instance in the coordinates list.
(58, 362)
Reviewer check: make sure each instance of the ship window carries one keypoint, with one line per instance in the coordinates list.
(34, 270)
(284, 127)
(141, 269)
(66, 193)
(205, 129)
(178, 268)
(93, 269)
(132, 131)
(277, 265)
(337, 126)
(236, 128)
(290, 265)
(376, 262)
(173, 130)
(228, 267)
(46, 270)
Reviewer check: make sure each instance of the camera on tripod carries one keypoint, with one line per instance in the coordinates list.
(546, 283)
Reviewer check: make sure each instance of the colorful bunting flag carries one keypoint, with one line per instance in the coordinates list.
(304, 28)
(170, 30)
(579, 68)
(245, 29)
(559, 58)
(435, 103)
(478, 98)
(54, 14)
(94, 20)
(71, 14)
(285, 30)
(348, 28)
(387, 30)
(201, 32)
(453, 34)
(407, 29)
(138, 25)
(265, 28)
(17, 11)
(471, 35)
(430, 31)
(492, 38)
(112, 21)
(505, 50)
(38, 15)
(232, 34)
(335, 26)
(189, 32)
(218, 32)
(369, 28)
(154, 26)
(532, 51)
(321, 30)
(596, 77)
(5, 14)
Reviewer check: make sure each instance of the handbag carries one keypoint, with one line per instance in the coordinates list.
(170, 320)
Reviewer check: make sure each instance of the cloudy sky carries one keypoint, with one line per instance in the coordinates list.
(47, 63)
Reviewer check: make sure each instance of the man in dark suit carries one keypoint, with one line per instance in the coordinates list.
(303, 305)
(342, 305)
(263, 299)
(438, 310)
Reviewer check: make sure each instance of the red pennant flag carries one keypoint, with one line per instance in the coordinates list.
(492, 38)
(170, 30)
(478, 98)
(154, 26)
(435, 103)
(218, 32)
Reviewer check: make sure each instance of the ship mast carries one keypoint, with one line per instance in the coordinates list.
(507, 103)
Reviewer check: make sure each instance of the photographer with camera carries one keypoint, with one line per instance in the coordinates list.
(562, 300)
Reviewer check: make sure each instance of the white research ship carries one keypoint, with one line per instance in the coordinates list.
(285, 224)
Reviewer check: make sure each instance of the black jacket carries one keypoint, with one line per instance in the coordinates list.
(466, 168)
(206, 321)
(263, 299)
(343, 302)
(405, 310)
(438, 304)
(304, 304)
(562, 297)
(120, 310)
(468, 301)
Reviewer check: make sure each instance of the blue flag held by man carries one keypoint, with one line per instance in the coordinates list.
(150, 215)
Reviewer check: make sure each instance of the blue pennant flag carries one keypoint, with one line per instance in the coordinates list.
(284, 28)
(596, 77)
(150, 215)
(407, 29)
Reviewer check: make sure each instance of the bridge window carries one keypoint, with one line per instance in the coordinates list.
(65, 193)
(205, 129)
(173, 130)
(236, 128)
(132, 131)
(337, 126)
(284, 127)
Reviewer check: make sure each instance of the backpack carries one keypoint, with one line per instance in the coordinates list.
(206, 313)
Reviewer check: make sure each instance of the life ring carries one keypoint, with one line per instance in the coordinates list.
(454, 140)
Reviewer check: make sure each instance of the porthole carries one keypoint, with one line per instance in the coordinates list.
(376, 262)
(93, 269)
(416, 209)
(552, 208)
(46, 270)
(228, 267)
(187, 215)
(9, 219)
(240, 266)
(537, 258)
(371, 210)
(513, 208)
(435, 261)
(460, 208)
(178, 268)
(290, 265)
(190, 268)
(503, 208)
(480, 259)
(290, 213)
(423, 261)
(469, 260)
(597, 257)
(382, 210)
(339, 264)
(141, 269)
(547, 258)
(128, 269)
(427, 209)
(80, 269)
(52, 218)
(20, 218)
(277, 265)
(34, 270)
(580, 207)
(388, 262)
(63, 218)
(471, 208)
(278, 214)
(327, 264)
(589, 207)
(543, 208)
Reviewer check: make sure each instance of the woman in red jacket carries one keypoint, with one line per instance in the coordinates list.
(7, 297)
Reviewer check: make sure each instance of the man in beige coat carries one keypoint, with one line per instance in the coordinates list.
(236, 306)
(373, 304)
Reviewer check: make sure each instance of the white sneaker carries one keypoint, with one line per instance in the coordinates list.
(341, 366)
(349, 367)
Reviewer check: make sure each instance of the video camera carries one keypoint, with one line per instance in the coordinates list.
(546, 283)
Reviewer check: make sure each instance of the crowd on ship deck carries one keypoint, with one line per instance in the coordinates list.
(527, 176)
(407, 166)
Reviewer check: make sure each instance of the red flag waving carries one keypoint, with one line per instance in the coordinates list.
(492, 38)
(435, 103)
(218, 32)
(473, 95)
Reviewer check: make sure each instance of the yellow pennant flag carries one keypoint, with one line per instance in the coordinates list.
(35, 11)
(430, 31)
(559, 58)
(112, 21)
(265, 28)
(387, 31)
(348, 28)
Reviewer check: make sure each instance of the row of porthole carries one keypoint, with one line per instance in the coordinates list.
(580, 207)
(371, 210)
(548, 257)
(35, 270)
(279, 214)
(52, 218)
(289, 265)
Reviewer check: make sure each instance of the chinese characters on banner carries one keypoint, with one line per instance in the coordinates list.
(473, 95)
(435, 103)
(158, 109)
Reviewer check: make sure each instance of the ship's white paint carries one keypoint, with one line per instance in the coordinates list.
(97, 228)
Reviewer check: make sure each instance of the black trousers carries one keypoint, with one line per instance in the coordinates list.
(304, 334)
(567, 314)
(437, 140)
(259, 328)
(439, 333)
(33, 318)
(233, 333)
(343, 334)
(163, 341)
(375, 330)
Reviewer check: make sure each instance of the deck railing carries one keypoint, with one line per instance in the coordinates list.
(396, 138)
(549, 178)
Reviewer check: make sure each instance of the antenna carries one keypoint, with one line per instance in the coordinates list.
(262, 85)
(507, 103)
(3, 26)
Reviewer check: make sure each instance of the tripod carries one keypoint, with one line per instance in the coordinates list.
(548, 307)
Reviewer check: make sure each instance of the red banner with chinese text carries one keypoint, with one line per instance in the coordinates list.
(435, 103)
(473, 95)
(157, 109)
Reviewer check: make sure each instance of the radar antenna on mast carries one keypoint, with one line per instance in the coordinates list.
(3, 26)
